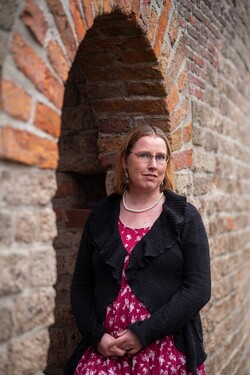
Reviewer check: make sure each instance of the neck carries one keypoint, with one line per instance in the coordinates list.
(144, 205)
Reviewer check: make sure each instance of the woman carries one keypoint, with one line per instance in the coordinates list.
(143, 271)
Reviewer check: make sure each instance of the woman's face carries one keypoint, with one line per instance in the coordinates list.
(144, 173)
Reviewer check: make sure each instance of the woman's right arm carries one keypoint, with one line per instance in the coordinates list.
(82, 292)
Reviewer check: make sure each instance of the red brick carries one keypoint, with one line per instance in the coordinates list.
(230, 223)
(176, 140)
(78, 21)
(135, 7)
(172, 99)
(107, 8)
(59, 213)
(197, 92)
(107, 159)
(34, 68)
(182, 81)
(97, 10)
(126, 6)
(196, 81)
(157, 106)
(76, 218)
(109, 143)
(145, 11)
(58, 60)
(137, 56)
(176, 63)
(87, 8)
(34, 19)
(161, 27)
(162, 123)
(63, 26)
(67, 189)
(173, 29)
(198, 60)
(27, 148)
(146, 88)
(47, 119)
(182, 159)
(15, 101)
(114, 124)
(192, 20)
(180, 114)
(187, 132)
(145, 72)
(152, 25)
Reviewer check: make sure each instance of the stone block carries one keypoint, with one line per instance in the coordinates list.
(6, 226)
(184, 183)
(29, 186)
(203, 161)
(25, 226)
(63, 240)
(14, 272)
(46, 225)
(28, 353)
(6, 321)
(66, 263)
(57, 338)
(34, 309)
(4, 360)
(63, 314)
(42, 267)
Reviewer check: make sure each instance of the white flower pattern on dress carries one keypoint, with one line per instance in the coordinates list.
(159, 358)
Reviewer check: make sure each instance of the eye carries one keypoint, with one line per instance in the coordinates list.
(144, 155)
(160, 157)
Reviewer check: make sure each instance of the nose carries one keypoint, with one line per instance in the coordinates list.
(152, 163)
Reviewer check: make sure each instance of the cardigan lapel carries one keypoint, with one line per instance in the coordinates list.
(165, 231)
(163, 234)
(104, 227)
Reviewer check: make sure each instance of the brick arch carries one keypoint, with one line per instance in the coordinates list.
(44, 61)
(50, 46)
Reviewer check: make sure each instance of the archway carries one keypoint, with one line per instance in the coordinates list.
(142, 50)
(115, 83)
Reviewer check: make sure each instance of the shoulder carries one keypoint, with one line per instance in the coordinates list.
(107, 202)
(105, 209)
(178, 206)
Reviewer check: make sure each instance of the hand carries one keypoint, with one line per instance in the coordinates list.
(107, 347)
(128, 342)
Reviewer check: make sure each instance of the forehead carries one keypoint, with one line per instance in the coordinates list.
(150, 142)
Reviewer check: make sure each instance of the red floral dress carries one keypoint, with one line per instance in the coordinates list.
(159, 358)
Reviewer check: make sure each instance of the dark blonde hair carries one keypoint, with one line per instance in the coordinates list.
(131, 138)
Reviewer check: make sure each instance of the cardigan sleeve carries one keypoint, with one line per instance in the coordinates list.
(196, 286)
(82, 292)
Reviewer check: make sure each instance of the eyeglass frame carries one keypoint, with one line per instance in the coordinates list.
(167, 158)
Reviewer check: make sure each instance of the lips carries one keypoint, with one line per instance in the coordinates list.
(150, 175)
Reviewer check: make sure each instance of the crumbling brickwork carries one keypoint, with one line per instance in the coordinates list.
(75, 77)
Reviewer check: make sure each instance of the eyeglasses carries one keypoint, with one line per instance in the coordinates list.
(146, 157)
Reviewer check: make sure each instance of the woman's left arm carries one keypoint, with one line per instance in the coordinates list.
(196, 287)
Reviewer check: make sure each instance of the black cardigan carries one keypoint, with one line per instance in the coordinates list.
(169, 271)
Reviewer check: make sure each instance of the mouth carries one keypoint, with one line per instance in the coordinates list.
(150, 175)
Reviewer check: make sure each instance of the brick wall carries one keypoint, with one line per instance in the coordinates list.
(83, 73)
